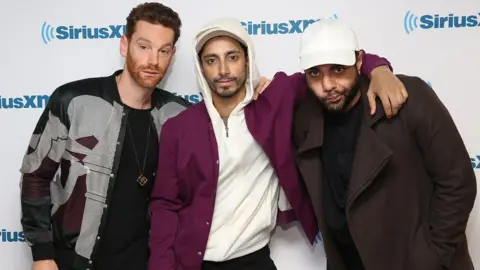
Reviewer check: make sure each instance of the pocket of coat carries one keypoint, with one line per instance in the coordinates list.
(422, 257)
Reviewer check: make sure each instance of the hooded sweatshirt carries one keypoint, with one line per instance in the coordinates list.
(248, 192)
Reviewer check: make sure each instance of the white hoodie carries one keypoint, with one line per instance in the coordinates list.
(247, 195)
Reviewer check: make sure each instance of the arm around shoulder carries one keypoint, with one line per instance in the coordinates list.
(371, 62)
(447, 162)
(293, 87)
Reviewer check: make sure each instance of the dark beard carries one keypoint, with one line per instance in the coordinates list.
(349, 97)
(226, 95)
(353, 93)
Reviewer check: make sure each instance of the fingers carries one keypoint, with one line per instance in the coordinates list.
(258, 91)
(404, 94)
(371, 101)
(387, 105)
(395, 105)
(398, 100)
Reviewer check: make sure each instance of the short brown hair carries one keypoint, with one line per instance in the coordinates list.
(155, 13)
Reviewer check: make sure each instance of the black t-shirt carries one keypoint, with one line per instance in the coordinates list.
(125, 242)
(338, 150)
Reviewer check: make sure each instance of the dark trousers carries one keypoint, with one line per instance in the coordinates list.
(258, 260)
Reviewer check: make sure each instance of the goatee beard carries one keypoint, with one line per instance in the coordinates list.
(349, 97)
(136, 73)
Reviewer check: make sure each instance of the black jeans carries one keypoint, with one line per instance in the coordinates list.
(258, 260)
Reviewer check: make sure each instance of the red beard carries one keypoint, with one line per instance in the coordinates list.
(139, 75)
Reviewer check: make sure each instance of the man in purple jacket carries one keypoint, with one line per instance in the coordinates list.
(227, 175)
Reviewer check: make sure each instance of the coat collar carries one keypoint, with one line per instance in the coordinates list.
(371, 153)
(315, 122)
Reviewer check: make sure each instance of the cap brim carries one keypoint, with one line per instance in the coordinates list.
(214, 34)
(337, 57)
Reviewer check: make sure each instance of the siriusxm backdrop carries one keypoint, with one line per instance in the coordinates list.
(48, 43)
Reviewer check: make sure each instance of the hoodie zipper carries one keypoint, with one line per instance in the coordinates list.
(225, 122)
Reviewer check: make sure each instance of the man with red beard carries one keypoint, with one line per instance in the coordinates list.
(97, 139)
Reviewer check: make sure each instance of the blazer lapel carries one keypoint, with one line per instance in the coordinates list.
(371, 154)
(308, 155)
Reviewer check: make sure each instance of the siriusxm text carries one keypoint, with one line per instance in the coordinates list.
(24, 102)
(191, 98)
(449, 21)
(10, 237)
(85, 32)
(277, 28)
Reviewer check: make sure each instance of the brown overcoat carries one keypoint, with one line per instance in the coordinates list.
(412, 186)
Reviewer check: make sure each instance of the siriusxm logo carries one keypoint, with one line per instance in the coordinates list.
(191, 98)
(64, 32)
(435, 21)
(475, 162)
(279, 28)
(24, 102)
(11, 237)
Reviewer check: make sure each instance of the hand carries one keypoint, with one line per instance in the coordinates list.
(45, 265)
(389, 89)
(262, 84)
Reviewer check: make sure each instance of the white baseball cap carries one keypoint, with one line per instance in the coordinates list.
(328, 41)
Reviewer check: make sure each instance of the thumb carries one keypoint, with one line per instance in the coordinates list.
(371, 101)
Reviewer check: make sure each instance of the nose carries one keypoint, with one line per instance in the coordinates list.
(224, 69)
(153, 58)
(328, 83)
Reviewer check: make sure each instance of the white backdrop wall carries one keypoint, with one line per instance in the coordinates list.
(39, 54)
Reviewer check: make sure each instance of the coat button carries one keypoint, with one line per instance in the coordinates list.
(199, 253)
(208, 223)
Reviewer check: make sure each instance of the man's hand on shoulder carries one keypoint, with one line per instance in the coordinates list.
(45, 265)
(389, 89)
(261, 86)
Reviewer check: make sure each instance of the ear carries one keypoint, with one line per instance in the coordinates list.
(124, 46)
(359, 61)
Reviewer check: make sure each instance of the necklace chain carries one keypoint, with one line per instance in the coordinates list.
(140, 168)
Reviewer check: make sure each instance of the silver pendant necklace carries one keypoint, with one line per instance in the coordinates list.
(142, 179)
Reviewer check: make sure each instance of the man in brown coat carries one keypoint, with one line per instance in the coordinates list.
(389, 194)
